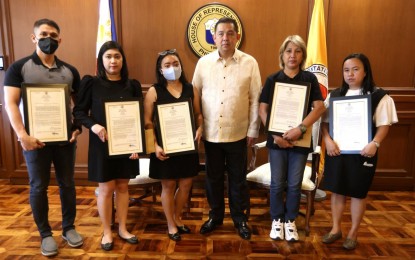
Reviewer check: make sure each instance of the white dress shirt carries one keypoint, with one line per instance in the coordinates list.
(229, 96)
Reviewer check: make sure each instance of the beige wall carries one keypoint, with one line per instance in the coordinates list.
(382, 29)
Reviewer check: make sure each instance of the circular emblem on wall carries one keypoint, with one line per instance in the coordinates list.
(201, 27)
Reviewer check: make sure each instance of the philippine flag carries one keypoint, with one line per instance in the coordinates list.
(106, 24)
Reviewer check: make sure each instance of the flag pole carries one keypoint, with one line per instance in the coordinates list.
(317, 64)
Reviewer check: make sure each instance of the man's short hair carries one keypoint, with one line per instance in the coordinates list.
(49, 22)
(227, 20)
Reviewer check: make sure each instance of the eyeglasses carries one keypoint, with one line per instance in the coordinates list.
(172, 51)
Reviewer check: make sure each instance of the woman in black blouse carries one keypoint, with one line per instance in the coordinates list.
(112, 174)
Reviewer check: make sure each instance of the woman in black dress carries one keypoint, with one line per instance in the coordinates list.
(112, 174)
(350, 175)
(172, 86)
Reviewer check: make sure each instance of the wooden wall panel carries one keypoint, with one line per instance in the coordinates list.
(78, 21)
(382, 29)
(145, 33)
(396, 170)
(5, 144)
(3, 167)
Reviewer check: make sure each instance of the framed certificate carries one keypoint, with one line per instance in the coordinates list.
(288, 108)
(350, 122)
(47, 115)
(175, 127)
(125, 126)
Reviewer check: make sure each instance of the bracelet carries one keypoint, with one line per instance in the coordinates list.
(376, 143)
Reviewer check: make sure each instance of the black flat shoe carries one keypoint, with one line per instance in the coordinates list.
(175, 237)
(184, 229)
(243, 230)
(210, 225)
(107, 246)
(131, 240)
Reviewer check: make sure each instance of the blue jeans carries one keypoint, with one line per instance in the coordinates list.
(287, 170)
(39, 165)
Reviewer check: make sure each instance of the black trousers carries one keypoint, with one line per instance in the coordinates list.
(232, 159)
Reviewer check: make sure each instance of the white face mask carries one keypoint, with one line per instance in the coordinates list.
(172, 73)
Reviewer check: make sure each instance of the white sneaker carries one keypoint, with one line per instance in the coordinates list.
(290, 231)
(277, 230)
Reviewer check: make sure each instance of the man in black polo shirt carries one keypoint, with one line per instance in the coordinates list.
(45, 68)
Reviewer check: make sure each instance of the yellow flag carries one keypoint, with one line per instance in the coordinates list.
(316, 47)
(317, 62)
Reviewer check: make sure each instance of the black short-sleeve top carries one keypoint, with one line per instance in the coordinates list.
(280, 76)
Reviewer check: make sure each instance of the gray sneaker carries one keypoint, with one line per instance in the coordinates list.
(49, 246)
(73, 238)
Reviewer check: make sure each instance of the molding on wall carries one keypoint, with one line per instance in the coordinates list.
(143, 34)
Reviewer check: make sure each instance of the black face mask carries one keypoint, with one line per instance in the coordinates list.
(48, 45)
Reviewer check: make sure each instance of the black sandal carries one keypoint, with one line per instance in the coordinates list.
(184, 229)
(175, 237)
(107, 246)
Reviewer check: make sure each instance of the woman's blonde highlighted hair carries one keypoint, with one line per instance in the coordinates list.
(297, 40)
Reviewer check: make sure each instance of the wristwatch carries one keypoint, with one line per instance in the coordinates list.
(303, 128)
(376, 143)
